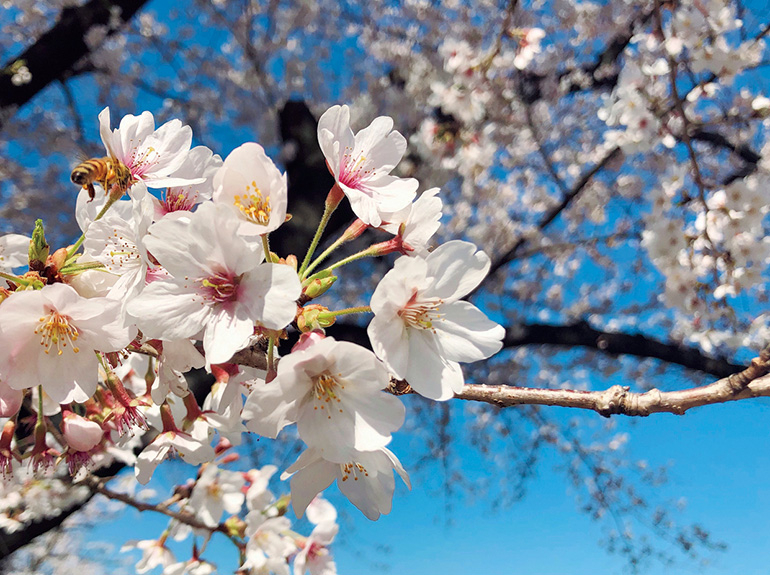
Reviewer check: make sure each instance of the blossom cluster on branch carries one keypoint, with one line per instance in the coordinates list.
(95, 337)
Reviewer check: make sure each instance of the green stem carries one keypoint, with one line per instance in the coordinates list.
(328, 211)
(14, 279)
(40, 405)
(270, 359)
(76, 246)
(79, 268)
(368, 252)
(341, 240)
(266, 246)
(331, 314)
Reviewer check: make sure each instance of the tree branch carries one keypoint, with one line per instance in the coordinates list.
(53, 56)
(581, 334)
(751, 382)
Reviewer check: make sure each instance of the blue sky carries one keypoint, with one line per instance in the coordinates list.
(718, 459)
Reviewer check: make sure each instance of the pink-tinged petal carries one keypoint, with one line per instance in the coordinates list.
(10, 400)
(268, 410)
(384, 415)
(407, 277)
(130, 134)
(170, 181)
(458, 268)
(466, 334)
(429, 374)
(150, 458)
(105, 131)
(270, 292)
(311, 475)
(169, 146)
(390, 343)
(225, 334)
(363, 205)
(335, 135)
(329, 427)
(381, 148)
(167, 310)
(391, 193)
(360, 368)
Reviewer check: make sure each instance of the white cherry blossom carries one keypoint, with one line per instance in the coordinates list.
(366, 480)
(417, 223)
(361, 164)
(218, 285)
(48, 337)
(216, 491)
(151, 155)
(333, 390)
(421, 329)
(14, 251)
(250, 183)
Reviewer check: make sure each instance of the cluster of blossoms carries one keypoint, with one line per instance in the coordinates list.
(95, 338)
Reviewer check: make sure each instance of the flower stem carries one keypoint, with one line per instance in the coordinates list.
(266, 246)
(355, 230)
(368, 252)
(107, 205)
(14, 279)
(332, 201)
(80, 268)
(271, 373)
(332, 314)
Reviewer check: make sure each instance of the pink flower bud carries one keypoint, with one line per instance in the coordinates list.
(81, 434)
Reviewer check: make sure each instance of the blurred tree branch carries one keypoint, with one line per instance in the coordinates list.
(53, 56)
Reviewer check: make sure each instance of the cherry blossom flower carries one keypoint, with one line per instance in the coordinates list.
(315, 556)
(250, 183)
(361, 164)
(48, 337)
(154, 553)
(218, 285)
(193, 445)
(201, 162)
(116, 242)
(151, 155)
(421, 329)
(332, 390)
(366, 480)
(216, 491)
(416, 223)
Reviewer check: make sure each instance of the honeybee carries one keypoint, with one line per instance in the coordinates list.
(109, 172)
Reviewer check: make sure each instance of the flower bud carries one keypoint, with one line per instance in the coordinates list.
(317, 286)
(311, 318)
(38, 248)
(80, 433)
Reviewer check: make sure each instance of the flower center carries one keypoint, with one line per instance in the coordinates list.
(55, 331)
(178, 200)
(253, 206)
(353, 469)
(143, 160)
(324, 389)
(352, 171)
(421, 314)
(220, 288)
